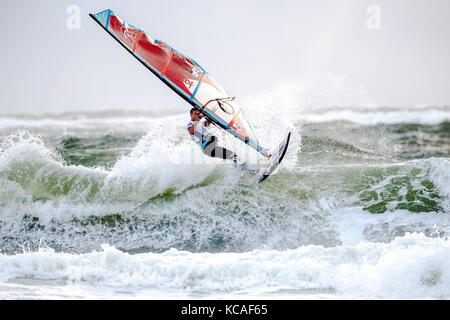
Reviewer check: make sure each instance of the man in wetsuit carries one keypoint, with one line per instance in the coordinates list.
(197, 128)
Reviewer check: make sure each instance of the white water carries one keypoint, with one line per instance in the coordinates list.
(413, 266)
(310, 241)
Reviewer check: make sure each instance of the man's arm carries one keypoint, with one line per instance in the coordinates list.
(206, 122)
(191, 129)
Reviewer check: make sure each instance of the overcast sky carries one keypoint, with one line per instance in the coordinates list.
(248, 46)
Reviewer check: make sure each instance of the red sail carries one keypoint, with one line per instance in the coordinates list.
(183, 75)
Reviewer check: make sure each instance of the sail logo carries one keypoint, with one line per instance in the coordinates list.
(190, 84)
(194, 72)
(129, 34)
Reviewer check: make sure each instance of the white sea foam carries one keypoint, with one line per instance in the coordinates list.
(412, 266)
(347, 265)
(161, 160)
(151, 168)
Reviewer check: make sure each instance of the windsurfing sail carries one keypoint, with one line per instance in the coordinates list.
(183, 75)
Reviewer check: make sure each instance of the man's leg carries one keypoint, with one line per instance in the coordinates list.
(212, 150)
(219, 152)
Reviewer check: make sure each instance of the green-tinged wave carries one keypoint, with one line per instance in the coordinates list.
(94, 152)
(411, 191)
(75, 193)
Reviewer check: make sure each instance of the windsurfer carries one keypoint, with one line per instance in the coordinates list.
(197, 128)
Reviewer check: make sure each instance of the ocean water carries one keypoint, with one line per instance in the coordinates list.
(113, 204)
